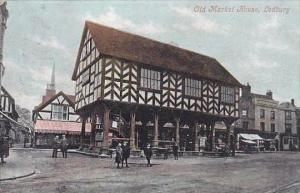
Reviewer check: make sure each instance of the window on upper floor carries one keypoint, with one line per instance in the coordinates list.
(150, 79)
(288, 129)
(192, 87)
(227, 94)
(59, 112)
(272, 114)
(85, 77)
(288, 115)
(262, 126)
(272, 127)
(244, 113)
(262, 113)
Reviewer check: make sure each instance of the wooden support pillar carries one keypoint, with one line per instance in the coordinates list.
(93, 131)
(211, 135)
(106, 126)
(177, 127)
(227, 140)
(132, 130)
(82, 133)
(156, 117)
(196, 146)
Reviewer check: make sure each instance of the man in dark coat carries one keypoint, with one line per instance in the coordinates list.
(64, 146)
(55, 146)
(2, 149)
(148, 154)
(175, 151)
(126, 153)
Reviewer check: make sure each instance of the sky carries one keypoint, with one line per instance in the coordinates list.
(262, 48)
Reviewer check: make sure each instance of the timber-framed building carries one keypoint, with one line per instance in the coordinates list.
(146, 91)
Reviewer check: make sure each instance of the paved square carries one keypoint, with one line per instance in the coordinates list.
(264, 172)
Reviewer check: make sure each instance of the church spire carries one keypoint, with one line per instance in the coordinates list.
(53, 76)
(51, 86)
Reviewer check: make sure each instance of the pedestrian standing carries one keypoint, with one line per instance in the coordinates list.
(55, 146)
(175, 151)
(148, 154)
(2, 149)
(119, 154)
(126, 153)
(64, 146)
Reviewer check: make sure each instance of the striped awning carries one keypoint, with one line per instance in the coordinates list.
(60, 127)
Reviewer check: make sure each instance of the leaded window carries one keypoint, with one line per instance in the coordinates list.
(192, 87)
(59, 112)
(227, 94)
(86, 77)
(150, 79)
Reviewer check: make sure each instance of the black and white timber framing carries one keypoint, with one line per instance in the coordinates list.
(149, 80)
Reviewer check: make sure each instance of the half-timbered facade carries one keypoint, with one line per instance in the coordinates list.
(55, 115)
(7, 106)
(144, 80)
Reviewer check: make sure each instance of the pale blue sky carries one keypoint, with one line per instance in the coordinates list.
(259, 48)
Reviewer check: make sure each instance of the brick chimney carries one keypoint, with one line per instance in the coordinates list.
(246, 90)
(293, 102)
(269, 94)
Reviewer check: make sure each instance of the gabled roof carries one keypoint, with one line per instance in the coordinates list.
(69, 98)
(139, 49)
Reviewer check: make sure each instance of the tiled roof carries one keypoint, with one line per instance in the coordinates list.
(143, 50)
(60, 127)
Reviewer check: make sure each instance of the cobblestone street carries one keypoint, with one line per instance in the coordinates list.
(265, 172)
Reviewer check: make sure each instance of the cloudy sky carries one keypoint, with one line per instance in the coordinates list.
(261, 48)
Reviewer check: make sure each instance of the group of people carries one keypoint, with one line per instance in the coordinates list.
(175, 152)
(122, 154)
(61, 144)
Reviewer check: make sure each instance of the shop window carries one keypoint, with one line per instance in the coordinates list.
(295, 141)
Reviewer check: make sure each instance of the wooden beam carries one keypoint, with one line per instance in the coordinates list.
(156, 117)
(132, 130)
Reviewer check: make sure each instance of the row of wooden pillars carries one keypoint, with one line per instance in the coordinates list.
(105, 113)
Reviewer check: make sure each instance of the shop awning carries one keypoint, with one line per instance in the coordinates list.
(248, 141)
(250, 136)
(60, 127)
